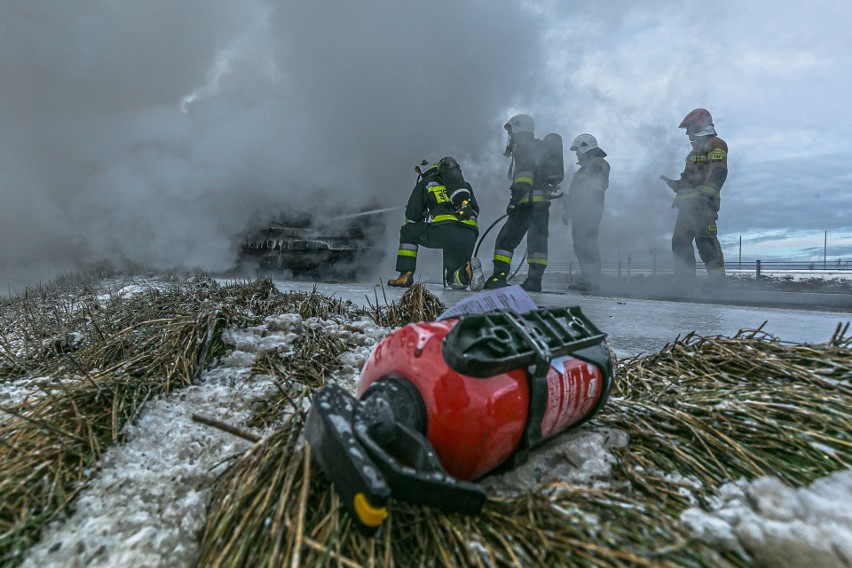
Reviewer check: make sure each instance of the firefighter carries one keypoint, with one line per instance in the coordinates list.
(441, 214)
(585, 204)
(697, 199)
(529, 206)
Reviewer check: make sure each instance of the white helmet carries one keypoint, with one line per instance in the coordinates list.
(425, 165)
(520, 123)
(583, 143)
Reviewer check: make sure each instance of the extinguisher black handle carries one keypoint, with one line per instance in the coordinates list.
(484, 345)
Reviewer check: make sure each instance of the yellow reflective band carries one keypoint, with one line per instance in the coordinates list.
(540, 198)
(471, 222)
(711, 228)
(367, 514)
(403, 252)
(717, 154)
(444, 218)
(542, 261)
(709, 191)
(501, 258)
(523, 179)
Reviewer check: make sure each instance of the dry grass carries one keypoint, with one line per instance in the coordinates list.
(416, 304)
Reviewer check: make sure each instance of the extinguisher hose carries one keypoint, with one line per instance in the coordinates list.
(488, 230)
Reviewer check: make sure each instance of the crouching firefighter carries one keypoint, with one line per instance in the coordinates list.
(441, 214)
(536, 171)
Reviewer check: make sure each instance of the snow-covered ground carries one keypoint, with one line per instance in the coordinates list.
(146, 503)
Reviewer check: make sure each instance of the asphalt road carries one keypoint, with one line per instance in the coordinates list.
(634, 326)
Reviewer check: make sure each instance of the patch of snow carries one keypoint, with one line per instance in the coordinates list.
(579, 457)
(777, 525)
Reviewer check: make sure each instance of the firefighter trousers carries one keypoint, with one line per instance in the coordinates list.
(585, 227)
(455, 240)
(532, 221)
(697, 222)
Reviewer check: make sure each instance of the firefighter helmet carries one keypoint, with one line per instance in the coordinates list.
(425, 165)
(698, 122)
(583, 143)
(520, 123)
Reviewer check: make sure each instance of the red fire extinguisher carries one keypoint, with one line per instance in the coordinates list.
(445, 402)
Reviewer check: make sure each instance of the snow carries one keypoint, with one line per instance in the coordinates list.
(781, 526)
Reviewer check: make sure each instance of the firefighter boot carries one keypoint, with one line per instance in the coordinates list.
(404, 280)
(498, 277)
(533, 281)
(468, 275)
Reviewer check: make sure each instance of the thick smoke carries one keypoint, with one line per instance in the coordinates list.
(153, 135)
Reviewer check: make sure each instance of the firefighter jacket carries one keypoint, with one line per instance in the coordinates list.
(588, 184)
(527, 185)
(439, 199)
(705, 173)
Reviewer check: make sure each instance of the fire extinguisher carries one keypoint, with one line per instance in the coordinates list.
(443, 403)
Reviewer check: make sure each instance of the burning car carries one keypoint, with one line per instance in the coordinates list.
(332, 248)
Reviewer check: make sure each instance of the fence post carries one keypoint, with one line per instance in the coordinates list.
(825, 250)
(740, 263)
(757, 269)
(629, 262)
(619, 268)
(571, 271)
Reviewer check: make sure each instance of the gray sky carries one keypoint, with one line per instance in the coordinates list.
(151, 134)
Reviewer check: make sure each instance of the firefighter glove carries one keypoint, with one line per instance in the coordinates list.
(670, 182)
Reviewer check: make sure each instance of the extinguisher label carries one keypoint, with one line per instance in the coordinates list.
(573, 389)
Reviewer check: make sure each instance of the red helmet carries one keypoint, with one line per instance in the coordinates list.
(697, 121)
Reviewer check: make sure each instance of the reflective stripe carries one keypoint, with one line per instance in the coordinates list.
(693, 192)
(717, 154)
(442, 218)
(503, 256)
(456, 192)
(403, 252)
(542, 261)
(409, 246)
(523, 179)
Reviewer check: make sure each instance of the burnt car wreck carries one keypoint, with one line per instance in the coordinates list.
(336, 248)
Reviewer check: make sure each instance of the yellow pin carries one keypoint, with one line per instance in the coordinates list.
(367, 514)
